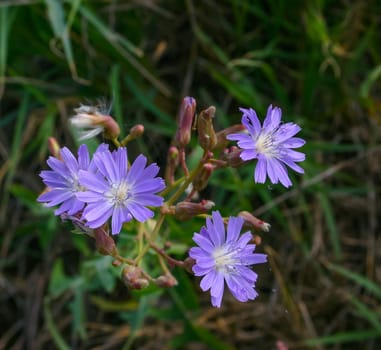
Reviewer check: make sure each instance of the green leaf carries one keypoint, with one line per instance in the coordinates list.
(59, 282)
(77, 310)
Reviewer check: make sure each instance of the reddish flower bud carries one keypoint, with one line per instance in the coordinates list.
(206, 136)
(188, 264)
(232, 157)
(104, 243)
(54, 148)
(166, 281)
(221, 135)
(202, 178)
(187, 210)
(136, 131)
(133, 278)
(184, 121)
(253, 222)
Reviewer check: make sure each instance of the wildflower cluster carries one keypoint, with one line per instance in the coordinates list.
(99, 193)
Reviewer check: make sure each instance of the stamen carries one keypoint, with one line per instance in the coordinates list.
(119, 193)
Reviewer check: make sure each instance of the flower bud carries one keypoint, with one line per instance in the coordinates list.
(133, 278)
(54, 148)
(78, 223)
(188, 264)
(187, 210)
(104, 243)
(172, 164)
(184, 121)
(90, 121)
(206, 136)
(253, 222)
(232, 157)
(221, 135)
(136, 131)
(202, 178)
(165, 281)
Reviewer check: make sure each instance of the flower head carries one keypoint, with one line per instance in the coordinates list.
(62, 181)
(91, 121)
(272, 144)
(119, 191)
(225, 257)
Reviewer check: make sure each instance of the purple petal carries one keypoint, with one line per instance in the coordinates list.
(234, 228)
(281, 172)
(120, 156)
(292, 165)
(256, 259)
(286, 131)
(295, 155)
(98, 210)
(217, 290)
(106, 165)
(248, 154)
(200, 271)
(218, 232)
(203, 242)
(205, 262)
(139, 212)
(272, 119)
(197, 252)
(83, 157)
(58, 166)
(148, 199)
(260, 171)
(55, 196)
(151, 171)
(89, 196)
(251, 121)
(69, 160)
(244, 239)
(149, 185)
(293, 142)
(272, 170)
(117, 220)
(136, 169)
(208, 280)
(93, 182)
(234, 137)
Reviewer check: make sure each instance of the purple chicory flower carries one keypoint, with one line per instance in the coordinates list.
(225, 257)
(119, 191)
(272, 144)
(62, 181)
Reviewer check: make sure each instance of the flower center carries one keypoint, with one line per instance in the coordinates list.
(224, 258)
(120, 193)
(75, 185)
(265, 145)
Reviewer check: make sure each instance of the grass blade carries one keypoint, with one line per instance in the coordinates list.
(369, 285)
(331, 224)
(345, 337)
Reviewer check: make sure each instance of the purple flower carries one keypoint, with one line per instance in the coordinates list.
(62, 181)
(271, 144)
(226, 257)
(119, 191)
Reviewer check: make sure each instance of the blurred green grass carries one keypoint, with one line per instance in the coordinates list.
(318, 60)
